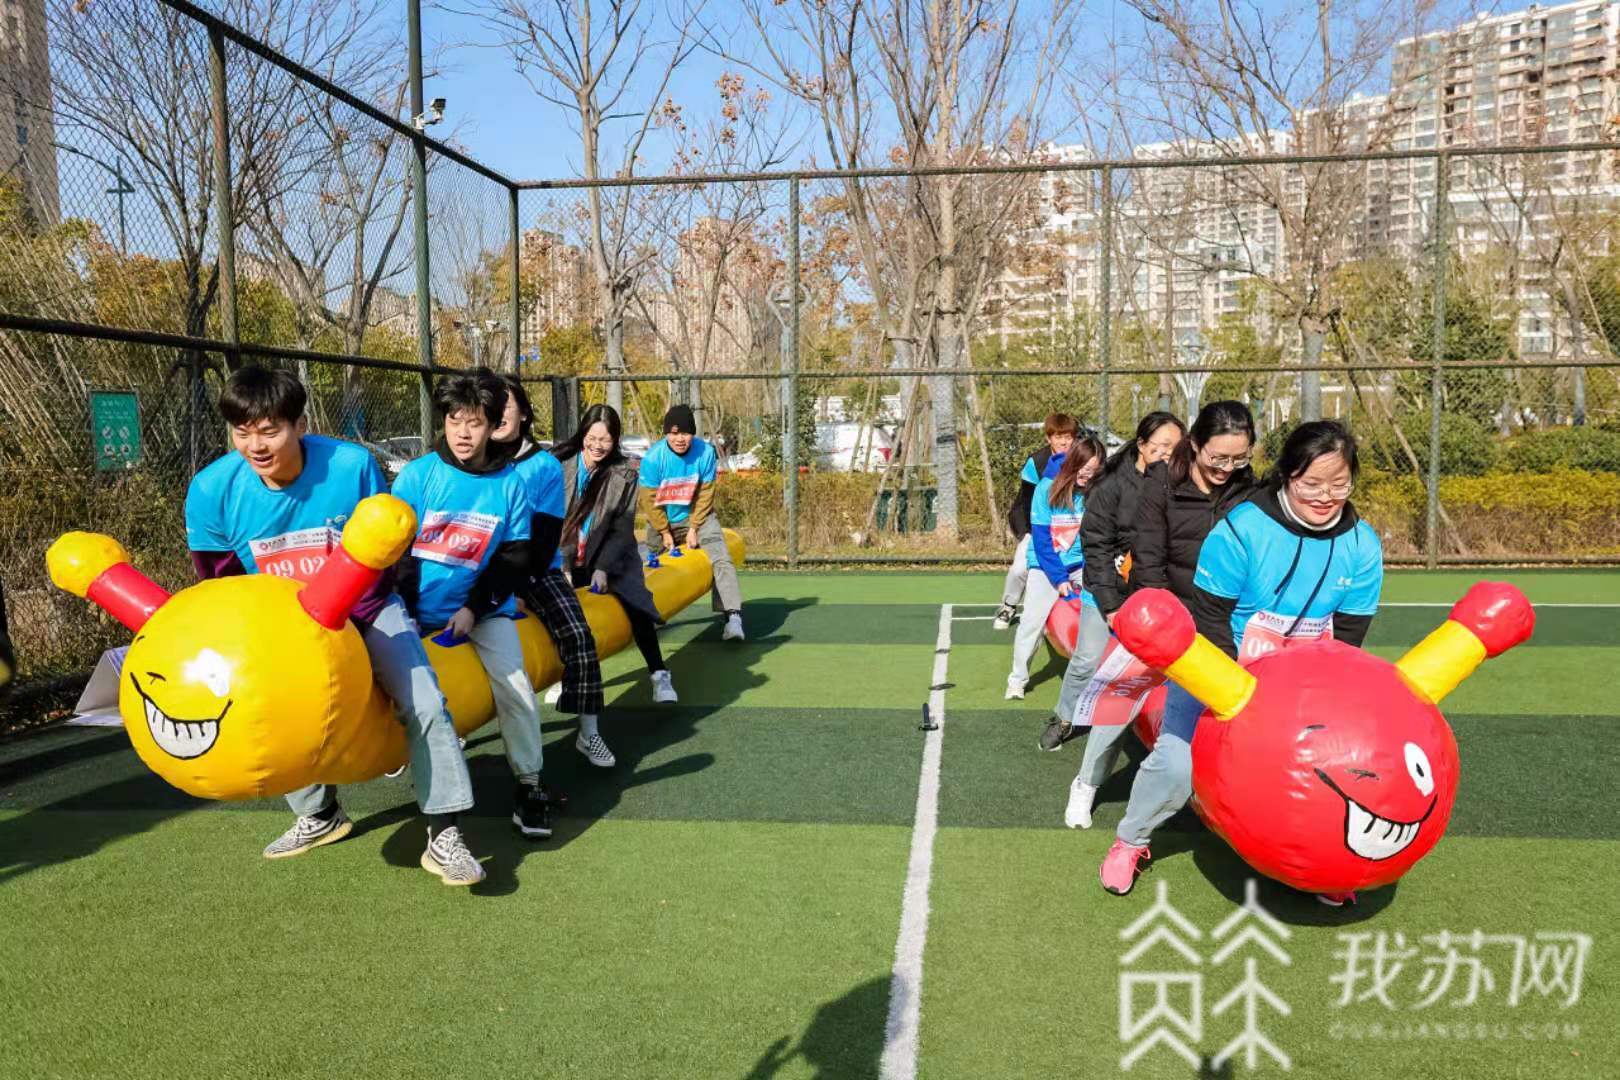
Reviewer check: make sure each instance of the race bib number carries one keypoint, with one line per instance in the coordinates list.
(1266, 632)
(678, 491)
(1119, 689)
(1064, 536)
(297, 555)
(459, 538)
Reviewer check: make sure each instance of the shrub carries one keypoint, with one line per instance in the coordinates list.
(1466, 447)
(1586, 448)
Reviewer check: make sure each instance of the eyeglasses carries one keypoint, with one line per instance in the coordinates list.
(599, 444)
(1226, 463)
(1310, 489)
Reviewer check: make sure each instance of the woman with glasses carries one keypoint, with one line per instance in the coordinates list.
(1295, 563)
(1055, 556)
(599, 533)
(1181, 500)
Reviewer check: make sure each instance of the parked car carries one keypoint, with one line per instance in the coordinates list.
(395, 453)
(852, 447)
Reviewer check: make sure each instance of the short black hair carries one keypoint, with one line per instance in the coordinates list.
(256, 393)
(471, 391)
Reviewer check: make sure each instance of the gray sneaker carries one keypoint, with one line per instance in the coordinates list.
(309, 832)
(447, 856)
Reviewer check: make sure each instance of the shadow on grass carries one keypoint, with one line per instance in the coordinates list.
(844, 1039)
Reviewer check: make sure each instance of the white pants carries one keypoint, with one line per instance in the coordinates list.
(501, 652)
(1017, 573)
(1039, 596)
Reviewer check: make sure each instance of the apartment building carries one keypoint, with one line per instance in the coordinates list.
(27, 157)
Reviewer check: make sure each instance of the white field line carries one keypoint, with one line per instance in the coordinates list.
(900, 1037)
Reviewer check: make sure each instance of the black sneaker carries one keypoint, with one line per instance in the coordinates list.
(531, 811)
(1056, 734)
(1006, 615)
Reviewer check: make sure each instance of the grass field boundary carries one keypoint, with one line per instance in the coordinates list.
(900, 1036)
(1450, 603)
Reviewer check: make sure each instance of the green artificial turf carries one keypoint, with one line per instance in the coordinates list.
(725, 903)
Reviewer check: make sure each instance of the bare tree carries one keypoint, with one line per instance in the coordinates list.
(601, 64)
(1234, 79)
(922, 83)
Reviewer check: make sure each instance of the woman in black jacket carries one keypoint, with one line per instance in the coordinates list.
(599, 533)
(1106, 533)
(1181, 501)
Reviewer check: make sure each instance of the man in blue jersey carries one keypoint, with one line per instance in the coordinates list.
(677, 495)
(277, 505)
(470, 557)
(1060, 431)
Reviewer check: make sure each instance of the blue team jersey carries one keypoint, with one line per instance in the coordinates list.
(461, 518)
(1272, 571)
(542, 477)
(1028, 474)
(1062, 524)
(674, 477)
(287, 532)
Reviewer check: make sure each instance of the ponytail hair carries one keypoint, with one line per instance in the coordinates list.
(1086, 449)
(1215, 419)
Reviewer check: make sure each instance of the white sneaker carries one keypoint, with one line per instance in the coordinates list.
(1015, 690)
(663, 688)
(733, 630)
(553, 693)
(596, 751)
(1004, 617)
(1077, 815)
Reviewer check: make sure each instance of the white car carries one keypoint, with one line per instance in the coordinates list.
(396, 453)
(853, 447)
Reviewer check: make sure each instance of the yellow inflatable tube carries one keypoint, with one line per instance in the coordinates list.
(247, 687)
(675, 584)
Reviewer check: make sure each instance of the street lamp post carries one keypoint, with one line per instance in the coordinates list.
(120, 188)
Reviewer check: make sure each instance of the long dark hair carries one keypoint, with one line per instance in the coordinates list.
(1085, 449)
(1215, 419)
(1147, 428)
(1309, 441)
(585, 505)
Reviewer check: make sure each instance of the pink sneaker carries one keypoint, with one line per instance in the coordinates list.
(1336, 899)
(1119, 867)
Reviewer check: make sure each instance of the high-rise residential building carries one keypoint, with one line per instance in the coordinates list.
(557, 274)
(27, 157)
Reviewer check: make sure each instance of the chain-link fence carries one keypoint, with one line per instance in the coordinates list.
(873, 349)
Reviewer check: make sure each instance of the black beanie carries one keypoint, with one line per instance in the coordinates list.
(679, 418)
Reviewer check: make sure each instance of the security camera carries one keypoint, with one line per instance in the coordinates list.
(434, 114)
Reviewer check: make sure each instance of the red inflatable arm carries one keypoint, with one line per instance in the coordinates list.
(1155, 627)
(1496, 613)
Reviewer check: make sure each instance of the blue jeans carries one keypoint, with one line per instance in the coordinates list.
(400, 666)
(1089, 644)
(1164, 780)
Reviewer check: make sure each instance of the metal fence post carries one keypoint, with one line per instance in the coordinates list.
(424, 295)
(224, 211)
(1105, 319)
(790, 431)
(516, 312)
(1437, 380)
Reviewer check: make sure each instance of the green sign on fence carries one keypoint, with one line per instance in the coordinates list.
(115, 429)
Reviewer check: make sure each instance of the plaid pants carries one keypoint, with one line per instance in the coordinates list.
(553, 601)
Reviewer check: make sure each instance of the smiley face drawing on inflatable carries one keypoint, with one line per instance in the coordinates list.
(1326, 767)
(249, 686)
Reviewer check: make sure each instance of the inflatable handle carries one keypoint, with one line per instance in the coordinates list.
(652, 561)
(1486, 622)
(1160, 632)
(675, 552)
(447, 638)
(97, 568)
(378, 532)
(1155, 627)
(1498, 614)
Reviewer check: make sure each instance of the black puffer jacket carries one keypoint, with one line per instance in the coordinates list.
(1107, 532)
(1172, 520)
